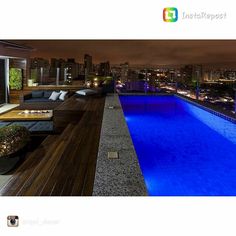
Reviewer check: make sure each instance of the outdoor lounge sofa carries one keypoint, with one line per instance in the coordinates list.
(39, 99)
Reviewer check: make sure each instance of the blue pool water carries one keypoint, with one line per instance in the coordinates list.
(182, 149)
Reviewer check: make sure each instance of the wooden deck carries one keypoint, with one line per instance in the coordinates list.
(65, 164)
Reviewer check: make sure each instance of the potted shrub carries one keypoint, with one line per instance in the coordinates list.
(13, 139)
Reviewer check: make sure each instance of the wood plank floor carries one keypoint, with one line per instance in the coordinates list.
(65, 164)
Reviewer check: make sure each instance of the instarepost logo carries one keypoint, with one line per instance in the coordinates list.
(170, 14)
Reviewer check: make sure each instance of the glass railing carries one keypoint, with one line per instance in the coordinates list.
(219, 95)
(51, 76)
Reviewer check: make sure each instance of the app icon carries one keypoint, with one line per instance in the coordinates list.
(12, 221)
(170, 14)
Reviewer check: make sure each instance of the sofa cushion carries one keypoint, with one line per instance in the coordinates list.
(54, 96)
(26, 124)
(4, 123)
(47, 94)
(37, 94)
(31, 100)
(86, 92)
(42, 126)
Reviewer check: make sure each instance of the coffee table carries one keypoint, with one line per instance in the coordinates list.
(27, 115)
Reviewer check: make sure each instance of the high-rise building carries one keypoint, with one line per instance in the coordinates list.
(96, 68)
(40, 69)
(56, 63)
(88, 65)
(71, 60)
(39, 63)
(124, 72)
(191, 73)
(70, 70)
(104, 69)
(81, 69)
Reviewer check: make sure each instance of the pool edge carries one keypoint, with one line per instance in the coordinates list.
(123, 176)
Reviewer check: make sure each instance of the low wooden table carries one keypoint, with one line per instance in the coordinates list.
(27, 115)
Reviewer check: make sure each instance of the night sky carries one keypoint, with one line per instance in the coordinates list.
(138, 52)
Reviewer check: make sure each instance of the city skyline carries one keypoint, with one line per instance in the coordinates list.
(138, 52)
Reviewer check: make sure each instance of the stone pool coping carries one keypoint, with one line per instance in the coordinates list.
(122, 176)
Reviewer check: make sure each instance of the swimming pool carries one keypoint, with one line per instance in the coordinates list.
(183, 150)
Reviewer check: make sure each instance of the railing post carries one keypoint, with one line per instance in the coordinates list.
(41, 75)
(57, 76)
(235, 101)
(197, 85)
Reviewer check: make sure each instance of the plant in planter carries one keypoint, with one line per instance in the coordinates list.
(15, 78)
(12, 139)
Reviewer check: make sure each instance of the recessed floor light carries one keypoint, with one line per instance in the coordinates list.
(113, 155)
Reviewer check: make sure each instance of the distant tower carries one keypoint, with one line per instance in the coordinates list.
(104, 68)
(88, 65)
(124, 72)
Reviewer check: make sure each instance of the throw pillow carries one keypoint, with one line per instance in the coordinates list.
(62, 95)
(54, 96)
